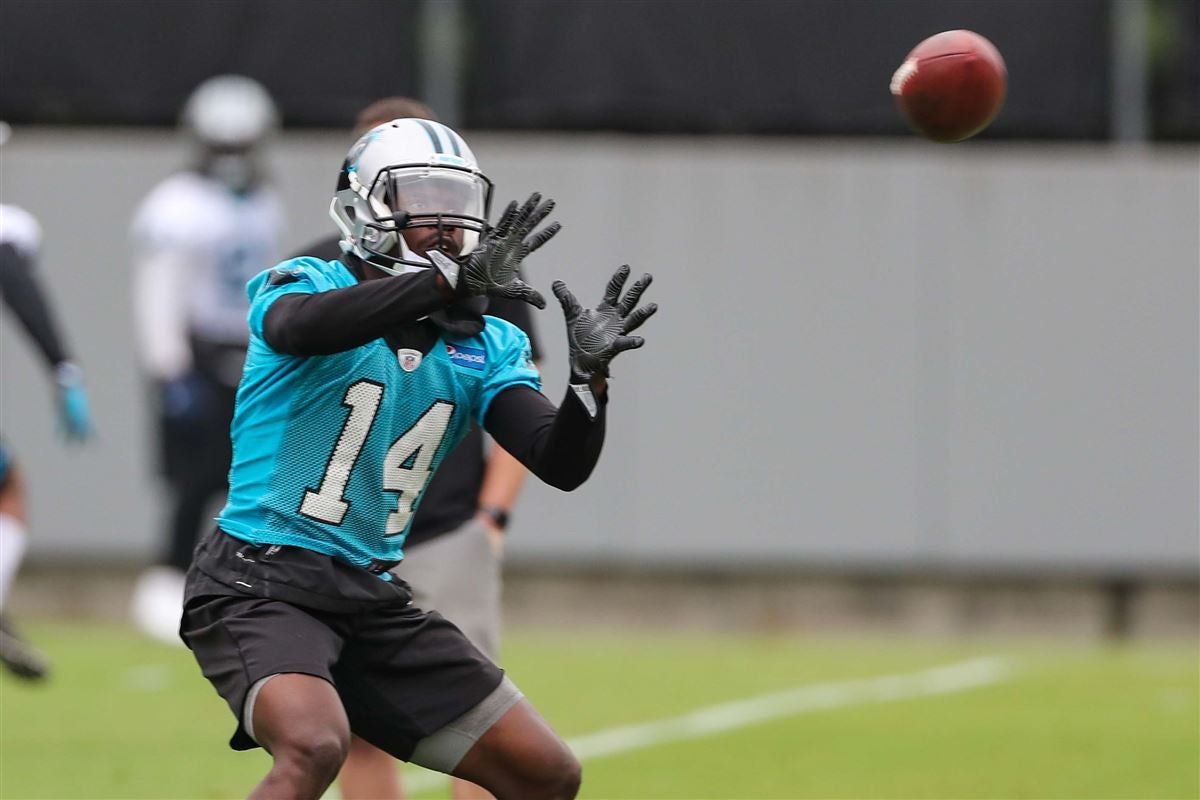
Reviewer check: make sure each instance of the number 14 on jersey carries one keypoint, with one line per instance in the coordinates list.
(406, 467)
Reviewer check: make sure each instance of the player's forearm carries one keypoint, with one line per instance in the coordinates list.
(559, 445)
(503, 478)
(23, 295)
(342, 319)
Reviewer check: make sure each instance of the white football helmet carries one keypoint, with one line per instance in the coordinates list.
(410, 174)
(229, 112)
(227, 118)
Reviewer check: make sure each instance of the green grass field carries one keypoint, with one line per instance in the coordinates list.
(127, 718)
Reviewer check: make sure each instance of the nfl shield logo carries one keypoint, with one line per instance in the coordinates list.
(409, 359)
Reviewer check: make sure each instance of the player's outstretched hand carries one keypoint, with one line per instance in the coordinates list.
(74, 412)
(596, 335)
(492, 268)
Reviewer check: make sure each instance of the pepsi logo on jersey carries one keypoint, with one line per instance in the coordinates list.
(470, 357)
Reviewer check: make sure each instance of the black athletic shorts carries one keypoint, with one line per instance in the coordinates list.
(402, 673)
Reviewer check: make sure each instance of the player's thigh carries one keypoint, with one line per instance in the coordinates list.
(458, 575)
(239, 641)
(298, 713)
(408, 673)
(519, 754)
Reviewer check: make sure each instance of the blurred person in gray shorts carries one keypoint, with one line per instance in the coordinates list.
(452, 557)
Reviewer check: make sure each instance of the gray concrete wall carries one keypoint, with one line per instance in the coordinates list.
(869, 354)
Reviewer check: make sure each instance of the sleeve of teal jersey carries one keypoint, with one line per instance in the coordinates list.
(510, 363)
(290, 277)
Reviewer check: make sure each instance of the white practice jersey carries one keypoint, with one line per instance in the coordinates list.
(219, 239)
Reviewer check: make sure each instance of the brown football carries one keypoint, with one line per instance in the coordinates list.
(951, 85)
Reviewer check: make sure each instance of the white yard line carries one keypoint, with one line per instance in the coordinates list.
(947, 679)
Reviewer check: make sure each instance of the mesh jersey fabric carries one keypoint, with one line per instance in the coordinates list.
(332, 453)
(452, 497)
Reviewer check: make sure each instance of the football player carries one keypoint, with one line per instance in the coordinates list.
(452, 553)
(20, 240)
(350, 398)
(198, 237)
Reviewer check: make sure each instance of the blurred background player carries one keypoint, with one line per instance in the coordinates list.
(20, 240)
(452, 556)
(198, 237)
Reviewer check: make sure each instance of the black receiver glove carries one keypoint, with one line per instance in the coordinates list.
(492, 268)
(596, 335)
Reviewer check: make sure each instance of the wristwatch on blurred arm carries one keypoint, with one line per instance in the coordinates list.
(498, 516)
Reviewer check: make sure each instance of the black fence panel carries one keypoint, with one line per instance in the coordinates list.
(135, 61)
(1174, 52)
(771, 66)
(673, 66)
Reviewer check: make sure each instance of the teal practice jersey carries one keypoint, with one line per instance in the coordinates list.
(332, 453)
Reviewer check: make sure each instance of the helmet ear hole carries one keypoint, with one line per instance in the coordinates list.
(351, 214)
(386, 243)
(379, 241)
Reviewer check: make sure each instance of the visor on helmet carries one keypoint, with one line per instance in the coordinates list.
(447, 199)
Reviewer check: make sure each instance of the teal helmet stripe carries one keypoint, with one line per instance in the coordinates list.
(434, 139)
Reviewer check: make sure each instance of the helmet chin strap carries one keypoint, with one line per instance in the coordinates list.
(408, 268)
(448, 267)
